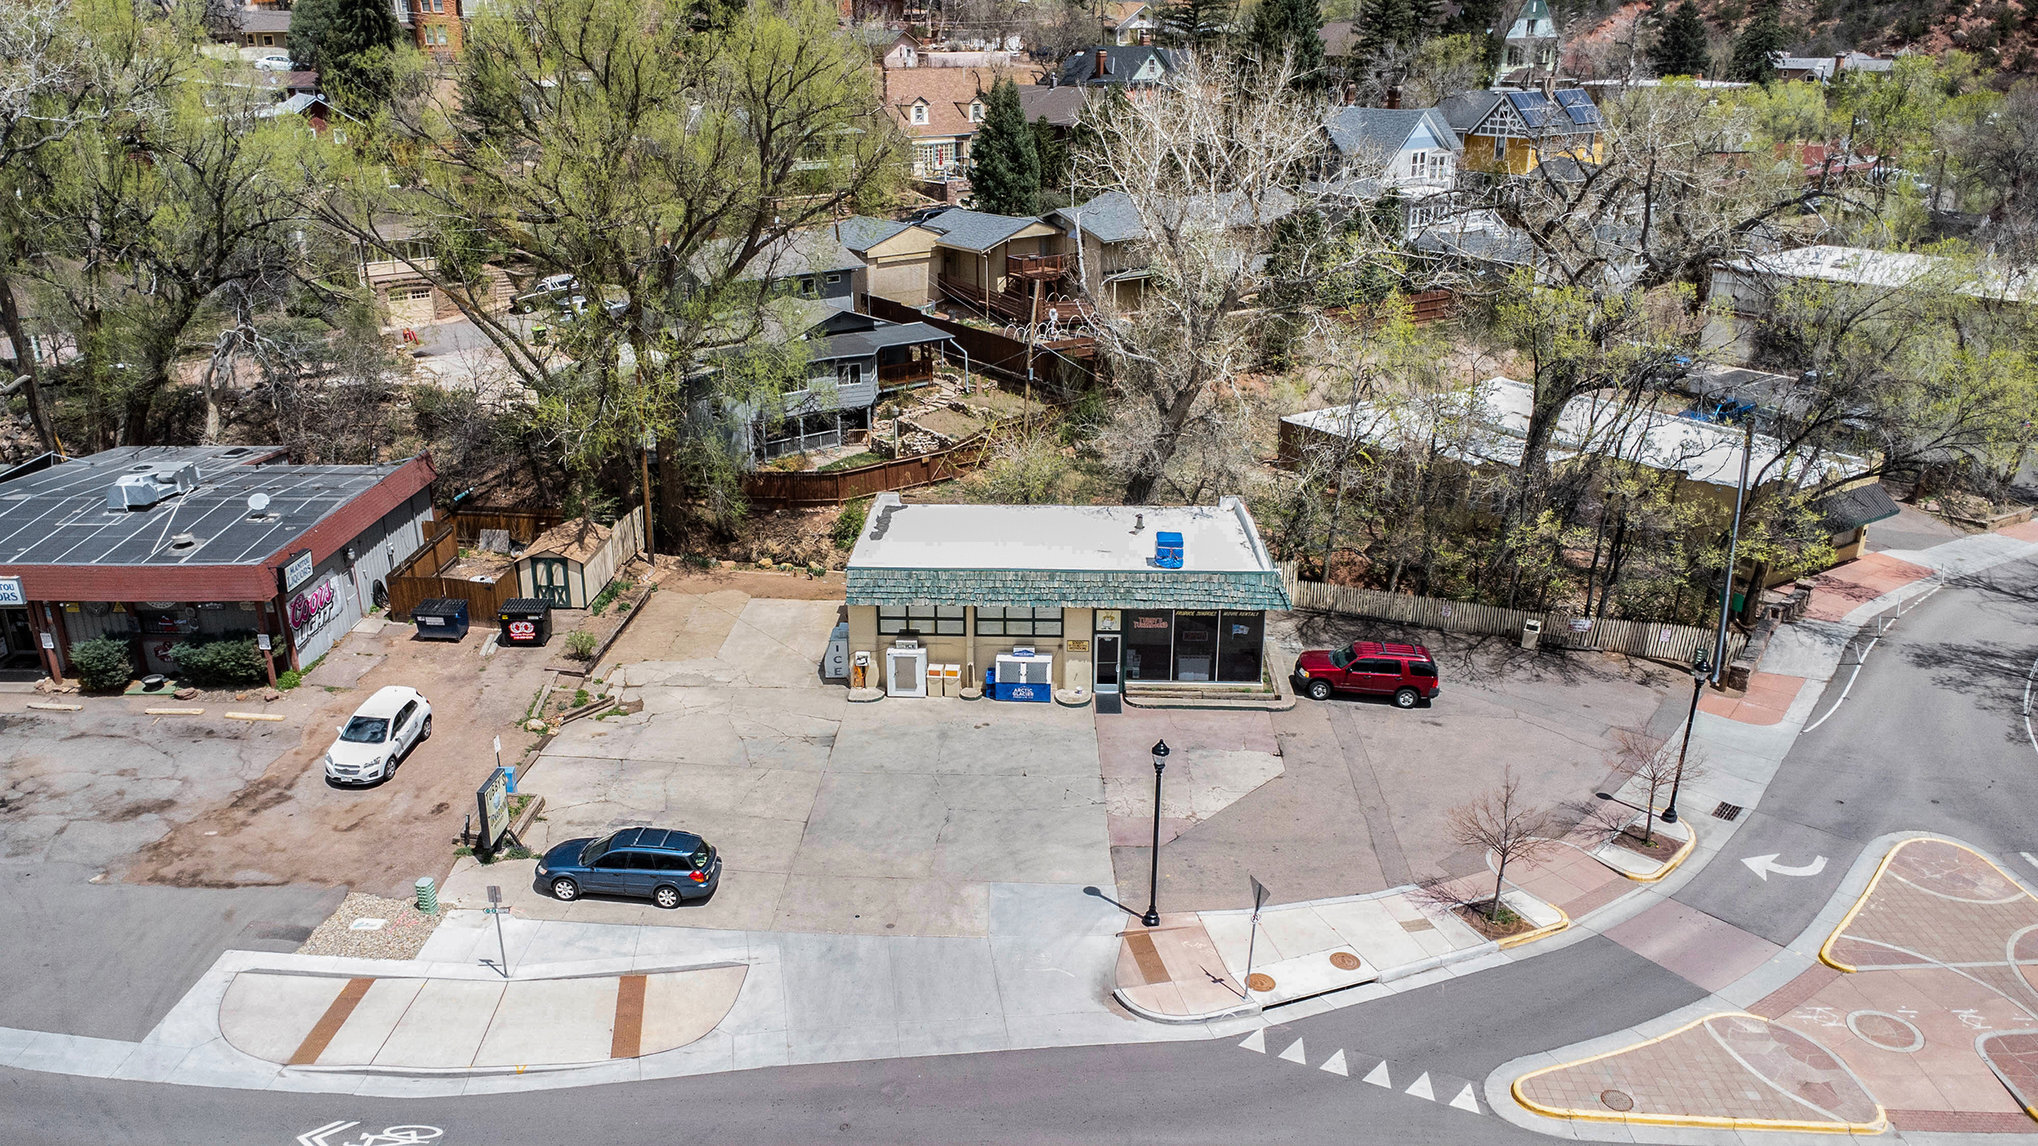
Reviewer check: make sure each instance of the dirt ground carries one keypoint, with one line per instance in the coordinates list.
(289, 826)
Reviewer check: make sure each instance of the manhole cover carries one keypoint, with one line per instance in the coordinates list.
(1344, 960)
(1619, 1100)
(1260, 983)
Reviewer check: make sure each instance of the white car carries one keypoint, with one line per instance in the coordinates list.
(273, 64)
(378, 738)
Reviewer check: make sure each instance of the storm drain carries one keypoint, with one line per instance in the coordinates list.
(1727, 812)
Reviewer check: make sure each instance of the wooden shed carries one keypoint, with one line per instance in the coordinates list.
(571, 563)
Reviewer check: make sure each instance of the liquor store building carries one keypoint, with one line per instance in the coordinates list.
(1111, 593)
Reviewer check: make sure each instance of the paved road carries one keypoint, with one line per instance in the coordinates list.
(1932, 737)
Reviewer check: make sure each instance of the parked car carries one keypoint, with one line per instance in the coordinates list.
(380, 736)
(1405, 672)
(665, 866)
(273, 63)
(551, 290)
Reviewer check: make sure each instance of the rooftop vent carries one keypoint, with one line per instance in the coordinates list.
(142, 490)
(1167, 550)
(183, 542)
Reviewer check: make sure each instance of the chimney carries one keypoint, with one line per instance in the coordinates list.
(1146, 36)
(1350, 95)
(1838, 63)
(1394, 96)
(1103, 64)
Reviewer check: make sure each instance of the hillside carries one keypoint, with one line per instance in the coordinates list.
(2002, 33)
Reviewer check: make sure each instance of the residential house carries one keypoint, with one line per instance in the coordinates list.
(939, 110)
(1061, 107)
(433, 25)
(902, 52)
(1511, 132)
(1130, 21)
(898, 259)
(1826, 69)
(259, 28)
(1412, 151)
(851, 357)
(1102, 239)
(1124, 66)
(1003, 266)
(1529, 57)
(1749, 285)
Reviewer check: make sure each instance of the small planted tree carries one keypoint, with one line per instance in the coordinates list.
(103, 663)
(1637, 757)
(1506, 826)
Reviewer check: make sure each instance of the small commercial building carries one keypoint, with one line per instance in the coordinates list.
(1098, 589)
(162, 545)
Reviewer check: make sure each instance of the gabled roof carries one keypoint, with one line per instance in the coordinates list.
(1059, 106)
(1856, 507)
(947, 92)
(576, 540)
(1109, 218)
(859, 233)
(1565, 110)
(1384, 130)
(1534, 23)
(975, 230)
(802, 253)
(1467, 110)
(1122, 62)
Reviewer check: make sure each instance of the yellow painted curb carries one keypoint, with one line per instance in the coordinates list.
(1880, 1124)
(1670, 864)
(52, 706)
(1826, 948)
(251, 716)
(1563, 921)
(173, 712)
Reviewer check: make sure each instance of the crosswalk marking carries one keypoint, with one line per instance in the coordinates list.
(1378, 1077)
(1256, 1041)
(1466, 1100)
(1421, 1089)
(1335, 1064)
(1428, 1086)
(1294, 1053)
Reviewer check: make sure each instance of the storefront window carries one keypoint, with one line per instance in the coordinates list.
(1149, 644)
(997, 621)
(1195, 644)
(940, 621)
(1239, 640)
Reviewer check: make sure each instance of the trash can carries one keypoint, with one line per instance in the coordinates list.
(1531, 632)
(526, 621)
(441, 619)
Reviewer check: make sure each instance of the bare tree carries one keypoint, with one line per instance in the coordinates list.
(1506, 826)
(1212, 166)
(1639, 758)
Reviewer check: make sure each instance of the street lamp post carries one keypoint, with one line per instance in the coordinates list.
(1700, 670)
(1152, 918)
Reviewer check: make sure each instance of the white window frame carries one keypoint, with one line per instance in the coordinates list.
(919, 114)
(976, 111)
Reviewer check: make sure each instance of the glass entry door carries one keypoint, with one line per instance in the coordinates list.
(1107, 662)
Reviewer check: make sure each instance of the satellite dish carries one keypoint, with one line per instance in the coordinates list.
(257, 502)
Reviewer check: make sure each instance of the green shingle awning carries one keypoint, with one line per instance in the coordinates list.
(1072, 589)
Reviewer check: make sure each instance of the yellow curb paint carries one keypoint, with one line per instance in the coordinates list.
(251, 716)
(1698, 1121)
(1826, 948)
(51, 706)
(1669, 865)
(173, 712)
(1563, 921)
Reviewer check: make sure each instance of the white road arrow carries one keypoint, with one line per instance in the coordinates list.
(1763, 865)
(318, 1137)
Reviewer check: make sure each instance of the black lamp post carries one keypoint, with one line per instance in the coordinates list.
(1152, 918)
(1700, 670)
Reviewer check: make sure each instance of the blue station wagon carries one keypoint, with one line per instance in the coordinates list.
(664, 866)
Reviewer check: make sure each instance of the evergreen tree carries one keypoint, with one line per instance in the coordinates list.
(1755, 49)
(1004, 172)
(1384, 22)
(1194, 24)
(1293, 28)
(1681, 47)
(1053, 149)
(349, 43)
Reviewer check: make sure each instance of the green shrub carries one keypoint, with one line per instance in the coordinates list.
(228, 662)
(580, 645)
(103, 663)
(699, 560)
(849, 523)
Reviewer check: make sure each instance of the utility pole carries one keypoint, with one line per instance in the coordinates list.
(650, 444)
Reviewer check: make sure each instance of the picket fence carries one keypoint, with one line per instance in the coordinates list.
(1560, 630)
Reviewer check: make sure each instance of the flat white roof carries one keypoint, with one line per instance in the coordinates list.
(1703, 451)
(1868, 267)
(1217, 538)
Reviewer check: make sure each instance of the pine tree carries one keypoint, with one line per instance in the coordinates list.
(1293, 28)
(1384, 22)
(1682, 48)
(1194, 24)
(348, 42)
(1004, 170)
(1755, 49)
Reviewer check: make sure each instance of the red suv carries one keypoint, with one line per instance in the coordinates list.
(1404, 672)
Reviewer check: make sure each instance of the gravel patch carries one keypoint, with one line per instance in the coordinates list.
(401, 936)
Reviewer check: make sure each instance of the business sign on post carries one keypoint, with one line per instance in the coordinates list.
(10, 592)
(297, 570)
(492, 801)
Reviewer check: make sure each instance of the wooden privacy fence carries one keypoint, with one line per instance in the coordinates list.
(626, 540)
(812, 488)
(522, 526)
(1560, 630)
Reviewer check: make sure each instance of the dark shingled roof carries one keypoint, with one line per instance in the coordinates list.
(1856, 507)
(1365, 130)
(975, 230)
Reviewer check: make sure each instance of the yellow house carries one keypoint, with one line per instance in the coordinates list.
(1513, 132)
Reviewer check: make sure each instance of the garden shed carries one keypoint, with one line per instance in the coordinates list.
(570, 564)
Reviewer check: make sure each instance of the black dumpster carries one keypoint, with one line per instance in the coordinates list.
(526, 621)
(441, 619)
